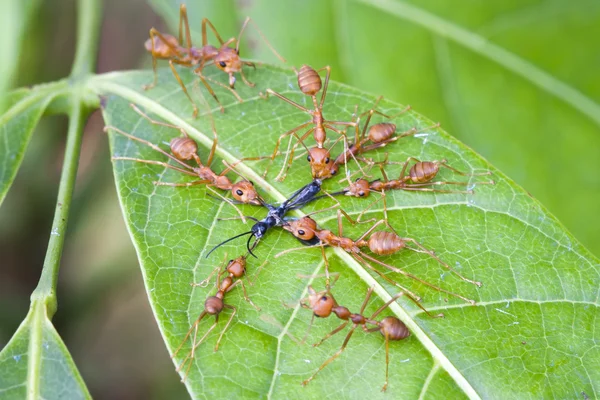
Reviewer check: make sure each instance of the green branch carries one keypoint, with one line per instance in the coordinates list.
(85, 59)
(88, 29)
(46, 289)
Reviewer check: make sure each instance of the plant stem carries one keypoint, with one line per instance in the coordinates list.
(46, 289)
(88, 29)
(85, 59)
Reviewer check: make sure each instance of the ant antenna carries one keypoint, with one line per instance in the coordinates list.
(229, 240)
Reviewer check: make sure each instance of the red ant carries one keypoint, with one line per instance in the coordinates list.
(323, 304)
(214, 305)
(309, 82)
(185, 149)
(380, 243)
(419, 178)
(227, 59)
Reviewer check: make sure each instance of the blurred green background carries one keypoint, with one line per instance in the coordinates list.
(516, 80)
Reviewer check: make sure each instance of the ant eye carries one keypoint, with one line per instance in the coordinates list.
(301, 232)
(324, 298)
(333, 172)
(239, 192)
(308, 158)
(327, 160)
(222, 64)
(230, 261)
(361, 194)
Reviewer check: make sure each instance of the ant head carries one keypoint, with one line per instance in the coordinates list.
(304, 228)
(237, 267)
(228, 60)
(319, 160)
(213, 305)
(245, 192)
(321, 303)
(184, 148)
(162, 49)
(359, 188)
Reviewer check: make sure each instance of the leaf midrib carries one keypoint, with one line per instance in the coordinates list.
(101, 85)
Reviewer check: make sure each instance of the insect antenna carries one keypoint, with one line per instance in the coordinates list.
(229, 240)
(253, 245)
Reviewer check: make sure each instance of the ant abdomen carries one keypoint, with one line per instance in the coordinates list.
(184, 148)
(213, 305)
(162, 49)
(309, 80)
(384, 243)
(393, 328)
(381, 132)
(423, 171)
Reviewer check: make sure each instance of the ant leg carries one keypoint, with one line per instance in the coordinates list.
(206, 281)
(240, 282)
(198, 343)
(246, 81)
(290, 156)
(371, 229)
(330, 334)
(386, 278)
(226, 325)
(183, 19)
(293, 103)
(203, 79)
(325, 85)
(206, 21)
(425, 187)
(336, 276)
(181, 184)
(153, 52)
(233, 92)
(187, 335)
(237, 47)
(176, 74)
(423, 249)
(225, 199)
(154, 162)
(336, 355)
(402, 272)
(153, 34)
(444, 163)
(255, 276)
(387, 361)
(327, 279)
(149, 144)
(288, 133)
(155, 122)
(187, 371)
(296, 249)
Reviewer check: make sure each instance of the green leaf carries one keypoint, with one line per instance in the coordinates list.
(36, 363)
(530, 335)
(516, 80)
(14, 15)
(26, 107)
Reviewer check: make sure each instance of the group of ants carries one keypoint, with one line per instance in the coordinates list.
(183, 149)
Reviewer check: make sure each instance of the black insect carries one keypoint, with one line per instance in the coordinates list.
(276, 216)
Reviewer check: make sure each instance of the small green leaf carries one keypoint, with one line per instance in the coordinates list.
(25, 108)
(530, 335)
(35, 364)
